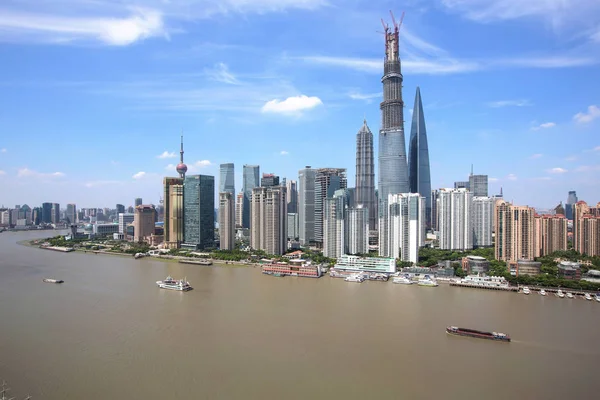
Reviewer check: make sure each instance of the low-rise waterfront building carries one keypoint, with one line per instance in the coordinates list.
(366, 264)
(105, 229)
(569, 270)
(475, 265)
(527, 267)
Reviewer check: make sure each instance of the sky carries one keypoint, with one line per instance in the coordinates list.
(94, 94)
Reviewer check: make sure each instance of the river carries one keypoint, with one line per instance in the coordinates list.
(109, 333)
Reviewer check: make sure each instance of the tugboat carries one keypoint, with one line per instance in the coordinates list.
(181, 285)
(453, 330)
(48, 280)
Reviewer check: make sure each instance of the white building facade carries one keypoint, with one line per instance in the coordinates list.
(334, 230)
(357, 230)
(406, 227)
(483, 219)
(455, 219)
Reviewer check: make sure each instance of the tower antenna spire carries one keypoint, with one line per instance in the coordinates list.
(181, 167)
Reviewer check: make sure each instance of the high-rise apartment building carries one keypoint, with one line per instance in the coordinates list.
(419, 175)
(455, 219)
(406, 224)
(357, 231)
(515, 232)
(55, 213)
(461, 185)
(550, 234)
(293, 226)
(571, 201)
(586, 228)
(306, 205)
(483, 217)
(268, 224)
(292, 196)
(269, 180)
(364, 194)
(251, 179)
(137, 201)
(239, 210)
(226, 221)
(71, 214)
(173, 212)
(435, 194)
(478, 184)
(143, 222)
(198, 211)
(334, 230)
(327, 181)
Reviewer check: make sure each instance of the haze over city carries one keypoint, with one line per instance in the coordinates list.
(96, 94)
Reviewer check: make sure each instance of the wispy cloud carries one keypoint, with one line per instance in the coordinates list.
(571, 158)
(198, 165)
(557, 170)
(166, 154)
(368, 97)
(587, 168)
(592, 113)
(536, 156)
(545, 125)
(140, 24)
(510, 103)
(545, 62)
(511, 177)
(597, 148)
(291, 105)
(3, 150)
(26, 172)
(542, 178)
(139, 175)
(2, 172)
(220, 73)
(283, 153)
(493, 179)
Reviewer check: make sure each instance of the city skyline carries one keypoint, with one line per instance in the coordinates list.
(127, 119)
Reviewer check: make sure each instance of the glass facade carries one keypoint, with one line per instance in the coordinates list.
(227, 179)
(251, 179)
(199, 211)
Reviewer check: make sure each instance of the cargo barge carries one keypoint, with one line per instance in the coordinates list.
(453, 330)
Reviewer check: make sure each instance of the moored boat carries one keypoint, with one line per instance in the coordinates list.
(526, 290)
(560, 294)
(428, 281)
(453, 330)
(569, 295)
(355, 278)
(542, 292)
(181, 285)
(405, 280)
(588, 296)
(48, 280)
(597, 297)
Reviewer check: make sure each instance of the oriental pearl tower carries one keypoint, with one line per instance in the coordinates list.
(181, 167)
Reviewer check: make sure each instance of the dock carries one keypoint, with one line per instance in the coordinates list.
(196, 262)
(57, 248)
(500, 288)
(575, 292)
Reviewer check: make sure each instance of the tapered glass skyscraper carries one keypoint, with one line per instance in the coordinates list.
(365, 173)
(418, 157)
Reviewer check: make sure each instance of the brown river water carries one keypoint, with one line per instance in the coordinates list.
(108, 332)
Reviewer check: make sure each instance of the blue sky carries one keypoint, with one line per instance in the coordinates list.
(95, 93)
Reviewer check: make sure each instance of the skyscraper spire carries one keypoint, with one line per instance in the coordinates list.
(418, 157)
(181, 167)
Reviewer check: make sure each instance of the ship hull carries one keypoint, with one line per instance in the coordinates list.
(477, 335)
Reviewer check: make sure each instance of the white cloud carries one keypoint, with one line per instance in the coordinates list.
(493, 179)
(3, 150)
(170, 167)
(166, 154)
(597, 148)
(26, 172)
(571, 158)
(586, 168)
(511, 177)
(116, 31)
(545, 125)
(291, 105)
(139, 175)
(557, 170)
(220, 73)
(510, 103)
(2, 172)
(546, 62)
(283, 153)
(593, 112)
(535, 156)
(368, 97)
(198, 165)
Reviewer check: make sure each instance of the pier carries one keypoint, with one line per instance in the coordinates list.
(57, 248)
(575, 292)
(475, 286)
(196, 262)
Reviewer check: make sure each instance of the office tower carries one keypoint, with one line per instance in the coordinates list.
(137, 202)
(293, 226)
(239, 209)
(478, 184)
(357, 232)
(393, 169)
(250, 181)
(483, 215)
(327, 181)
(130, 210)
(198, 212)
(269, 180)
(334, 230)
(71, 214)
(364, 194)
(515, 232)
(268, 224)
(419, 175)
(120, 209)
(227, 178)
(226, 221)
(124, 220)
(406, 223)
(550, 234)
(571, 201)
(455, 220)
(4, 217)
(306, 205)
(559, 209)
(435, 226)
(292, 196)
(461, 185)
(36, 216)
(143, 222)
(351, 201)
(586, 228)
(55, 213)
(173, 209)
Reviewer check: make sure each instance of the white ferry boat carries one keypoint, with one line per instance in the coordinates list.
(597, 297)
(588, 297)
(428, 281)
(485, 281)
(560, 294)
(181, 285)
(526, 290)
(569, 295)
(355, 278)
(542, 292)
(404, 280)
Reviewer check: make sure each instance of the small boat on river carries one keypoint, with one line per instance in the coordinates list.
(453, 330)
(48, 280)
